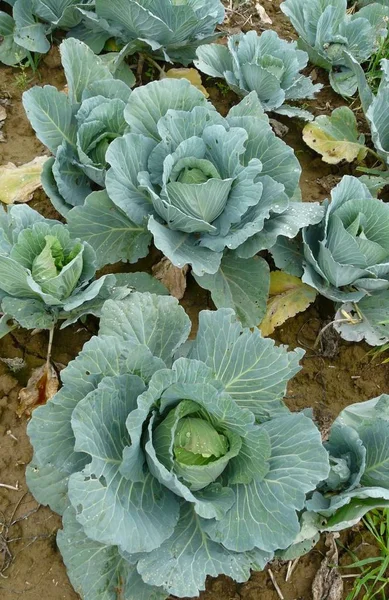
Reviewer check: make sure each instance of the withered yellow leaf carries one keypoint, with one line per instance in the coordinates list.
(336, 137)
(191, 75)
(18, 184)
(288, 296)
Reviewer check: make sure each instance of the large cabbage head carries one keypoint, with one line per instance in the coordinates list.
(202, 182)
(262, 63)
(32, 22)
(346, 256)
(79, 125)
(327, 29)
(170, 30)
(170, 469)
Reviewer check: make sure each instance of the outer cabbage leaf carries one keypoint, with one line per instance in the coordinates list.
(167, 30)
(370, 322)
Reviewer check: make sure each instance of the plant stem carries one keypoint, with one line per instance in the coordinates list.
(153, 63)
(49, 348)
(378, 157)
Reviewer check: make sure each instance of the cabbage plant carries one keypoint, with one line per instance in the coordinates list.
(358, 481)
(78, 125)
(211, 192)
(31, 24)
(170, 30)
(346, 258)
(327, 30)
(170, 460)
(47, 276)
(262, 63)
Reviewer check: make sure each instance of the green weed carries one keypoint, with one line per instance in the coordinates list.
(374, 73)
(373, 581)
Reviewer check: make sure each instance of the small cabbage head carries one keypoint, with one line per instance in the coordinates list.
(78, 126)
(32, 22)
(44, 272)
(358, 481)
(346, 256)
(358, 449)
(158, 462)
(262, 63)
(47, 276)
(326, 30)
(170, 30)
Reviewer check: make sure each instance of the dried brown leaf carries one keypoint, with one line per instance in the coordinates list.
(263, 14)
(288, 295)
(328, 584)
(172, 277)
(279, 128)
(41, 387)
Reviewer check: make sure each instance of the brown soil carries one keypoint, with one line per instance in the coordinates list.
(334, 375)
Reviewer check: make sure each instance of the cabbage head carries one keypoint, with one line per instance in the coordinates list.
(170, 30)
(262, 63)
(172, 460)
(358, 481)
(212, 191)
(78, 126)
(327, 30)
(358, 449)
(346, 256)
(32, 22)
(45, 274)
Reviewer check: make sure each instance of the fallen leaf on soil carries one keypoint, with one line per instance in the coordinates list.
(191, 75)
(328, 182)
(288, 296)
(41, 387)
(336, 137)
(18, 184)
(279, 128)
(328, 584)
(172, 277)
(14, 364)
(263, 14)
(3, 116)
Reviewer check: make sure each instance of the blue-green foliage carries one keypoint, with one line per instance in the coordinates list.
(167, 469)
(47, 276)
(346, 258)
(78, 126)
(262, 63)
(29, 29)
(326, 30)
(211, 191)
(168, 29)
